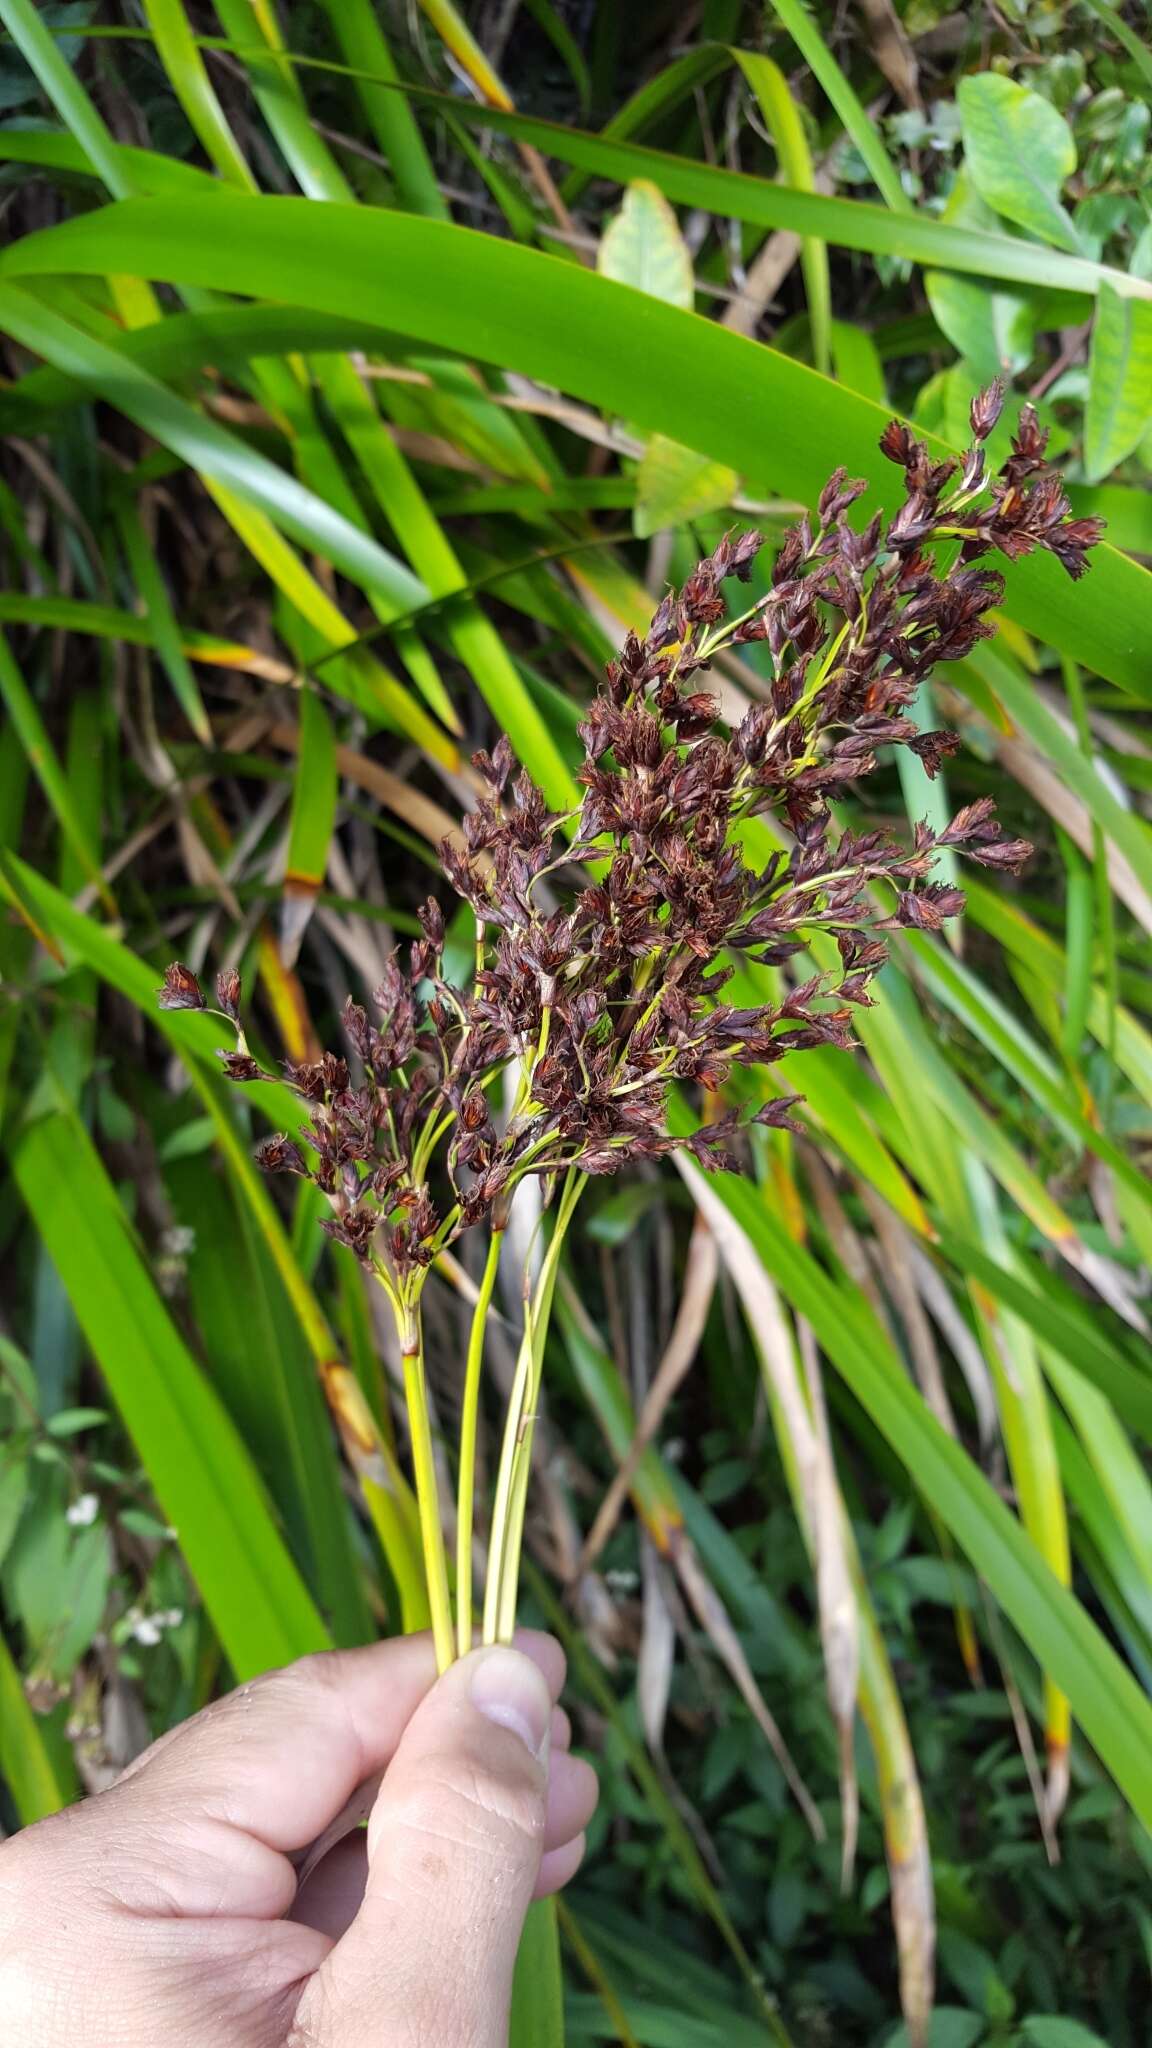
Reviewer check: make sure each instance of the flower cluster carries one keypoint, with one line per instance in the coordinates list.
(604, 937)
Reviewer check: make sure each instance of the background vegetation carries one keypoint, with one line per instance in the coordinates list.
(298, 504)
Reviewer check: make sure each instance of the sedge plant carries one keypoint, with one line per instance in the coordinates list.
(604, 938)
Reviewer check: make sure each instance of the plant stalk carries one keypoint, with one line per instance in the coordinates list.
(469, 1417)
(511, 1499)
(427, 1495)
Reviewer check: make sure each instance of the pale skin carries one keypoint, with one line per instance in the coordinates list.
(167, 1909)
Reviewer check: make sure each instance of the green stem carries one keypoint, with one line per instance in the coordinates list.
(516, 1451)
(469, 1416)
(427, 1496)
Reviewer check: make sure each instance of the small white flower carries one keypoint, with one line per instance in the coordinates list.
(171, 1617)
(147, 1632)
(83, 1512)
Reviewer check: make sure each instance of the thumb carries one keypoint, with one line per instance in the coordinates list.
(454, 1848)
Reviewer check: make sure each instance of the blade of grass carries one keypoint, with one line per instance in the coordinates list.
(314, 794)
(364, 45)
(786, 127)
(35, 1773)
(809, 41)
(642, 359)
(196, 1462)
(178, 52)
(24, 712)
(1107, 1703)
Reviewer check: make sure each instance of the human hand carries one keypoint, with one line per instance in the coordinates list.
(167, 1909)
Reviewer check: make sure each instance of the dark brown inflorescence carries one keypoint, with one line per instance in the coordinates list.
(604, 939)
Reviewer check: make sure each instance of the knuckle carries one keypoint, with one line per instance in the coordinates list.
(466, 1795)
(318, 1672)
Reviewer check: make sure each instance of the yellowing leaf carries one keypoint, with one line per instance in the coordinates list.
(675, 483)
(643, 247)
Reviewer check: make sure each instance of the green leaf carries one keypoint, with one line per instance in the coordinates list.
(24, 713)
(1019, 151)
(950, 2027)
(1119, 383)
(314, 793)
(537, 2016)
(40, 1784)
(1048, 2030)
(642, 246)
(674, 484)
(200, 1470)
(577, 330)
(70, 1421)
(858, 122)
(206, 445)
(362, 40)
(1107, 1702)
(178, 52)
(990, 327)
(13, 1494)
(786, 125)
(163, 629)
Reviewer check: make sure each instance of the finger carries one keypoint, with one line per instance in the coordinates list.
(454, 1848)
(264, 1771)
(561, 1730)
(573, 1790)
(331, 1898)
(557, 1867)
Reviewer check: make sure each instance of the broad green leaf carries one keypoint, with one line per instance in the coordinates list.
(990, 327)
(1119, 404)
(1050, 2030)
(643, 247)
(645, 361)
(200, 1470)
(673, 485)
(1019, 151)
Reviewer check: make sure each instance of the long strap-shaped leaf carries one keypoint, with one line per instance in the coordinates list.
(202, 1474)
(1107, 1702)
(37, 1779)
(566, 325)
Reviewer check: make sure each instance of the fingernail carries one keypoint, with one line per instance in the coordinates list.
(509, 1689)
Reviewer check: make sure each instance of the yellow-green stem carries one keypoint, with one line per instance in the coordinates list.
(516, 1452)
(469, 1415)
(502, 1502)
(427, 1496)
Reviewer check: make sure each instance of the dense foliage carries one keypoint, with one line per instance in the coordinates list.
(372, 377)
